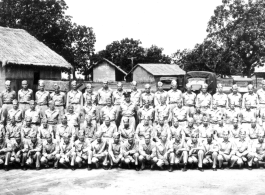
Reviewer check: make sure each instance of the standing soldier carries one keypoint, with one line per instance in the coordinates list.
(147, 151)
(115, 151)
(6, 98)
(33, 113)
(24, 96)
(90, 93)
(2, 118)
(142, 129)
(160, 94)
(130, 151)
(73, 118)
(125, 129)
(100, 153)
(90, 110)
(251, 98)
(174, 95)
(230, 114)
(162, 110)
(189, 100)
(52, 116)
(104, 94)
(5, 151)
(204, 99)
(109, 111)
(211, 152)
(75, 98)
(220, 98)
(117, 99)
(196, 152)
(42, 97)
(148, 111)
(135, 98)
(246, 116)
(180, 113)
(205, 129)
(215, 115)
(258, 150)
(16, 113)
(261, 97)
(49, 153)
(59, 99)
(236, 98)
(34, 152)
(147, 96)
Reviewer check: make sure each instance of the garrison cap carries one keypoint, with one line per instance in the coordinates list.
(66, 135)
(116, 135)
(55, 86)
(73, 82)
(99, 134)
(119, 84)
(164, 134)
(188, 85)
(24, 82)
(173, 82)
(41, 83)
(147, 135)
(131, 135)
(250, 86)
(14, 101)
(33, 134)
(28, 119)
(105, 82)
(147, 86)
(125, 119)
(159, 84)
(219, 85)
(134, 83)
(88, 85)
(8, 82)
(235, 86)
(204, 85)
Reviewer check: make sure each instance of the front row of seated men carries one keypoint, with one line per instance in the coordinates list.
(158, 153)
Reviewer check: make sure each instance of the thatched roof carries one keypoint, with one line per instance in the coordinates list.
(18, 47)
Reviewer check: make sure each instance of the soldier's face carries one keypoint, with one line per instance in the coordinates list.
(190, 124)
(89, 100)
(220, 89)
(49, 139)
(209, 139)
(13, 121)
(261, 139)
(57, 90)
(81, 138)
(176, 123)
(130, 140)
(147, 140)
(99, 139)
(70, 109)
(18, 140)
(177, 138)
(119, 87)
(248, 106)
(161, 122)
(220, 123)
(32, 106)
(8, 87)
(250, 90)
(194, 139)
(205, 123)
(24, 86)
(15, 106)
(88, 120)
(28, 123)
(107, 122)
(163, 138)
(160, 88)
(234, 91)
(41, 87)
(198, 109)
(109, 102)
(51, 106)
(163, 101)
(64, 121)
(89, 89)
(105, 85)
(74, 86)
(66, 140)
(147, 89)
(116, 140)
(253, 124)
(263, 87)
(235, 124)
(45, 125)
(174, 87)
(146, 122)
(204, 90)
(179, 104)
(33, 139)
(126, 124)
(232, 106)
(188, 89)
(214, 106)
(242, 136)
(127, 99)
(133, 87)
(225, 136)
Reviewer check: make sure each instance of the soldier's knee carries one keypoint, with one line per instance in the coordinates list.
(185, 152)
(255, 160)
(127, 161)
(1, 162)
(94, 160)
(201, 152)
(136, 155)
(12, 159)
(214, 154)
(58, 156)
(219, 157)
(78, 160)
(141, 158)
(205, 161)
(62, 161)
(155, 159)
(43, 160)
(190, 160)
(38, 154)
(24, 155)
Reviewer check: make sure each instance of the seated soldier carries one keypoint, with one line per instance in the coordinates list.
(258, 150)
(234, 130)
(66, 152)
(147, 150)
(19, 151)
(253, 131)
(225, 150)
(131, 152)
(100, 153)
(163, 152)
(108, 129)
(218, 131)
(125, 129)
(142, 129)
(242, 149)
(115, 151)
(197, 116)
(196, 152)
(159, 128)
(176, 130)
(34, 152)
(65, 128)
(204, 129)
(211, 151)
(5, 151)
(180, 150)
(45, 131)
(83, 151)
(49, 152)
(27, 130)
(12, 130)
(89, 129)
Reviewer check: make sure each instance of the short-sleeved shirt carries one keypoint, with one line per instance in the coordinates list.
(158, 96)
(74, 97)
(12, 131)
(8, 96)
(247, 115)
(158, 130)
(81, 147)
(125, 132)
(204, 100)
(66, 148)
(162, 111)
(220, 99)
(235, 98)
(42, 97)
(192, 145)
(93, 96)
(62, 129)
(115, 148)
(135, 97)
(17, 114)
(110, 112)
(241, 145)
(35, 115)
(49, 148)
(128, 109)
(142, 129)
(180, 113)
(190, 130)
(99, 148)
(189, 99)
(72, 118)
(174, 96)
(25, 96)
(89, 130)
(27, 132)
(52, 116)
(90, 111)
(211, 146)
(108, 131)
(162, 149)
(58, 98)
(147, 112)
(215, 115)
(230, 115)
(226, 147)
(118, 97)
(37, 145)
(147, 97)
(103, 95)
(45, 132)
(250, 98)
(204, 130)
(173, 131)
(261, 96)
(235, 131)
(147, 149)
(259, 148)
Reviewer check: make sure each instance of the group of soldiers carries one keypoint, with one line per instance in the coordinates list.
(131, 128)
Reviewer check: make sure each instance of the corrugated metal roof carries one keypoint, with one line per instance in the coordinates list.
(162, 69)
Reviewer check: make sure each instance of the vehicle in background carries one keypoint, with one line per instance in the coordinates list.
(167, 82)
(242, 84)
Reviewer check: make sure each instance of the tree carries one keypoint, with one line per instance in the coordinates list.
(155, 54)
(237, 27)
(46, 20)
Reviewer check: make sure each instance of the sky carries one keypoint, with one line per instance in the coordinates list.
(170, 24)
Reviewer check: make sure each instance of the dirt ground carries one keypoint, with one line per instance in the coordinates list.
(119, 181)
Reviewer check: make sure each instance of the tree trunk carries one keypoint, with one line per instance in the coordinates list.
(74, 78)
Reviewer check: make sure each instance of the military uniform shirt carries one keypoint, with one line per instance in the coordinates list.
(135, 97)
(17, 114)
(25, 96)
(235, 98)
(118, 97)
(103, 95)
(52, 116)
(42, 97)
(35, 115)
(75, 97)
(8, 96)
(108, 131)
(189, 99)
(128, 109)
(93, 96)
(220, 99)
(250, 98)
(158, 95)
(174, 96)
(204, 100)
(58, 98)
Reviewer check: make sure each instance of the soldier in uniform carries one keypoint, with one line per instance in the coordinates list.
(205, 129)
(75, 98)
(52, 116)
(89, 129)
(90, 110)
(176, 130)
(91, 94)
(24, 96)
(83, 151)
(247, 115)
(215, 115)
(236, 98)
(59, 99)
(115, 151)
(142, 129)
(162, 110)
(189, 98)
(220, 98)
(159, 129)
(35, 114)
(129, 110)
(196, 152)
(146, 96)
(49, 153)
(218, 131)
(230, 114)
(253, 131)
(125, 129)
(204, 99)
(180, 113)
(103, 94)
(251, 98)
(108, 129)
(174, 95)
(34, 152)
(180, 150)
(146, 110)
(100, 153)
(109, 111)
(5, 151)
(6, 98)
(45, 131)
(42, 97)
(261, 97)
(197, 116)
(225, 150)
(130, 151)
(117, 99)
(16, 113)
(234, 130)
(160, 94)
(147, 151)
(73, 118)
(65, 128)
(135, 98)
(27, 130)
(2, 118)
(211, 148)
(258, 150)
(12, 130)
(190, 129)
(67, 152)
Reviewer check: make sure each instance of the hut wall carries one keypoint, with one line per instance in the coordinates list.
(104, 71)
(141, 75)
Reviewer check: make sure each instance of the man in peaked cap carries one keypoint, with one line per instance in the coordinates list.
(204, 99)
(115, 151)
(59, 99)
(161, 93)
(6, 98)
(75, 98)
(34, 152)
(24, 96)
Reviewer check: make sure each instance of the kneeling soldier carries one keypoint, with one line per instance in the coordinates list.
(67, 154)
(50, 150)
(115, 151)
(5, 151)
(131, 152)
(99, 151)
(34, 153)
(258, 149)
(211, 151)
(147, 152)
(196, 151)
